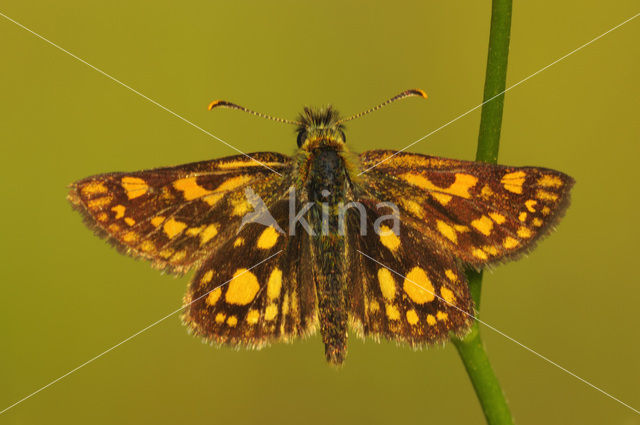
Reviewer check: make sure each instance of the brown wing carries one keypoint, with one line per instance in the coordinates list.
(230, 302)
(480, 213)
(403, 288)
(176, 216)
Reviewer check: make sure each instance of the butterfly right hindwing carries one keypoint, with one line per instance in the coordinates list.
(402, 288)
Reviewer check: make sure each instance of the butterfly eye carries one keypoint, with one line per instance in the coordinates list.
(302, 136)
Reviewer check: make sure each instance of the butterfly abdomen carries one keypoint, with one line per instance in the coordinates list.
(326, 188)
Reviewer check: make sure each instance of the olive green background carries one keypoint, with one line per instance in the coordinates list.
(66, 296)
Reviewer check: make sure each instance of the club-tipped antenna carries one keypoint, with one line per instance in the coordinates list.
(403, 95)
(225, 104)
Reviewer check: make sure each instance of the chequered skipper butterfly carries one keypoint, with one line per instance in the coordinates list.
(453, 214)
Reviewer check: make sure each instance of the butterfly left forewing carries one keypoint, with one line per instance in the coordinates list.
(176, 216)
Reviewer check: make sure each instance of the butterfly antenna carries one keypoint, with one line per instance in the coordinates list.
(403, 95)
(225, 104)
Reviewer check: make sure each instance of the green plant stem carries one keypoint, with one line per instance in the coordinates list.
(470, 348)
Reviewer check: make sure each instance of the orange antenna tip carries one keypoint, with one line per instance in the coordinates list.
(214, 104)
(420, 92)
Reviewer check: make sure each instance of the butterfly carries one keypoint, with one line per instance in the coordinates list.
(326, 239)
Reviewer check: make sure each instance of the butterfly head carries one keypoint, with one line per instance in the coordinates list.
(318, 127)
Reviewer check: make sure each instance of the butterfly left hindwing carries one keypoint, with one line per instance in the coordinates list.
(231, 301)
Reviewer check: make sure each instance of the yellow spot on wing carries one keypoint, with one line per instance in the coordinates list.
(522, 216)
(130, 236)
(486, 192)
(546, 210)
(483, 224)
(537, 222)
(172, 227)
(549, 181)
(208, 233)
(270, 312)
(543, 195)
(412, 317)
(253, 316)
(242, 288)
(431, 320)
(392, 312)
(214, 296)
(388, 238)
(179, 256)
(147, 246)
(99, 203)
(531, 204)
(238, 242)
(233, 183)
(374, 306)
(441, 315)
(232, 321)
(157, 220)
(460, 187)
(513, 181)
(134, 187)
(129, 221)
(447, 231)
(524, 232)
(447, 295)
(119, 210)
(490, 249)
(441, 197)
(103, 216)
(240, 206)
(274, 284)
(166, 253)
(220, 317)
(451, 275)
(206, 278)
(413, 207)
(387, 283)
(462, 184)
(268, 238)
(479, 253)
(93, 188)
(418, 286)
(510, 242)
(194, 231)
(190, 188)
(498, 218)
